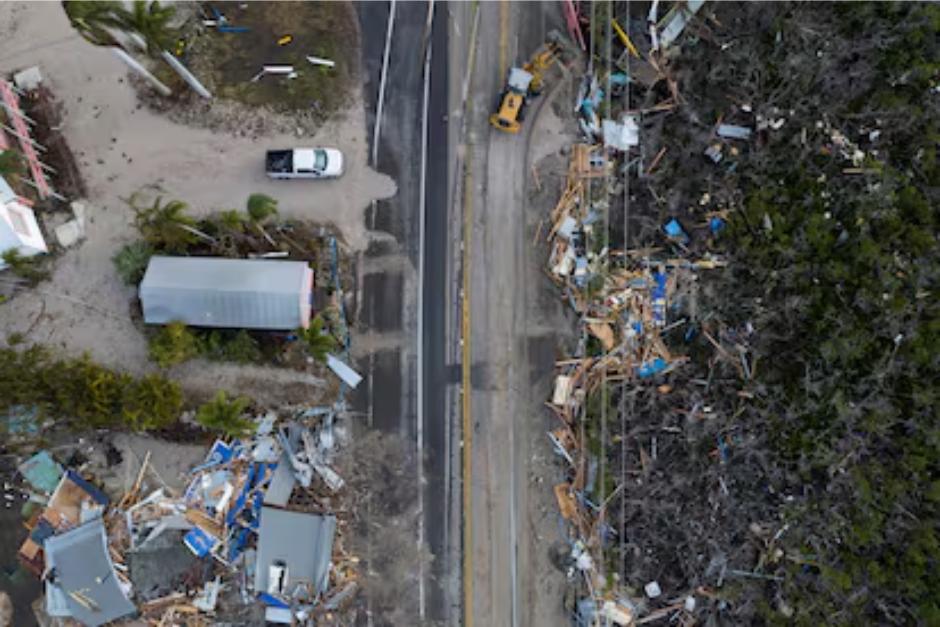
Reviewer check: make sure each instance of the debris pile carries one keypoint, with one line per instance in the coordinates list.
(634, 306)
(259, 525)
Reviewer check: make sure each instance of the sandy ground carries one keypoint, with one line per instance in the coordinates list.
(122, 147)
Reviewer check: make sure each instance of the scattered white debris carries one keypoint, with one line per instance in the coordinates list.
(321, 61)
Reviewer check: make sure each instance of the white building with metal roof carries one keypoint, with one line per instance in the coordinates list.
(227, 293)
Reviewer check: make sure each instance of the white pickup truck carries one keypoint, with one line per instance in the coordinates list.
(304, 163)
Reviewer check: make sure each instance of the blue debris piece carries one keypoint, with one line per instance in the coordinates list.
(674, 231)
(649, 368)
(220, 453)
(237, 543)
(717, 225)
(271, 600)
(690, 333)
(22, 420)
(722, 449)
(659, 298)
(42, 472)
(97, 495)
(199, 542)
(619, 79)
(41, 531)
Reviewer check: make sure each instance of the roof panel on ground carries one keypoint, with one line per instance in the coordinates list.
(302, 542)
(83, 572)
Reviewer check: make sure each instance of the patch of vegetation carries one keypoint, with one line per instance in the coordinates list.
(226, 415)
(165, 227)
(237, 346)
(318, 341)
(27, 268)
(85, 394)
(173, 344)
(227, 62)
(836, 268)
(261, 208)
(131, 261)
(11, 162)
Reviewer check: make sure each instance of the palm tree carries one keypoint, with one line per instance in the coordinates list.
(232, 221)
(149, 25)
(227, 416)
(260, 208)
(166, 226)
(318, 342)
(97, 22)
(151, 22)
(94, 20)
(10, 163)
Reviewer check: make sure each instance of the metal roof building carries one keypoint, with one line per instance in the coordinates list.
(227, 293)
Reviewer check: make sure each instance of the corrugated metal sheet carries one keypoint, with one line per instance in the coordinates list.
(303, 542)
(282, 484)
(227, 293)
(84, 575)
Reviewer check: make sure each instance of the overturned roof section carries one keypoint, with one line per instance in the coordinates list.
(84, 576)
(303, 543)
(18, 227)
(227, 293)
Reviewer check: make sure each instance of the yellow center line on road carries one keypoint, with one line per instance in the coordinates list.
(503, 39)
(466, 353)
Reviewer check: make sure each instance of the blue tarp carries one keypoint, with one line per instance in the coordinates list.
(270, 599)
(675, 231)
(199, 542)
(649, 368)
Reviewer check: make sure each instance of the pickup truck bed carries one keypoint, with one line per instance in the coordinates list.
(279, 161)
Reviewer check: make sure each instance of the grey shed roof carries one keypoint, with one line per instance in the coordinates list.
(304, 542)
(228, 293)
(84, 576)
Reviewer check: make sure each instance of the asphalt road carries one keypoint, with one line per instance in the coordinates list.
(392, 307)
(512, 340)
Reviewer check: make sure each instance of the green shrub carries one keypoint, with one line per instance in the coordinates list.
(11, 162)
(173, 344)
(131, 261)
(84, 393)
(151, 403)
(27, 268)
(239, 346)
(242, 348)
(227, 416)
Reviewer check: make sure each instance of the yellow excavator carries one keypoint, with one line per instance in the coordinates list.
(521, 85)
